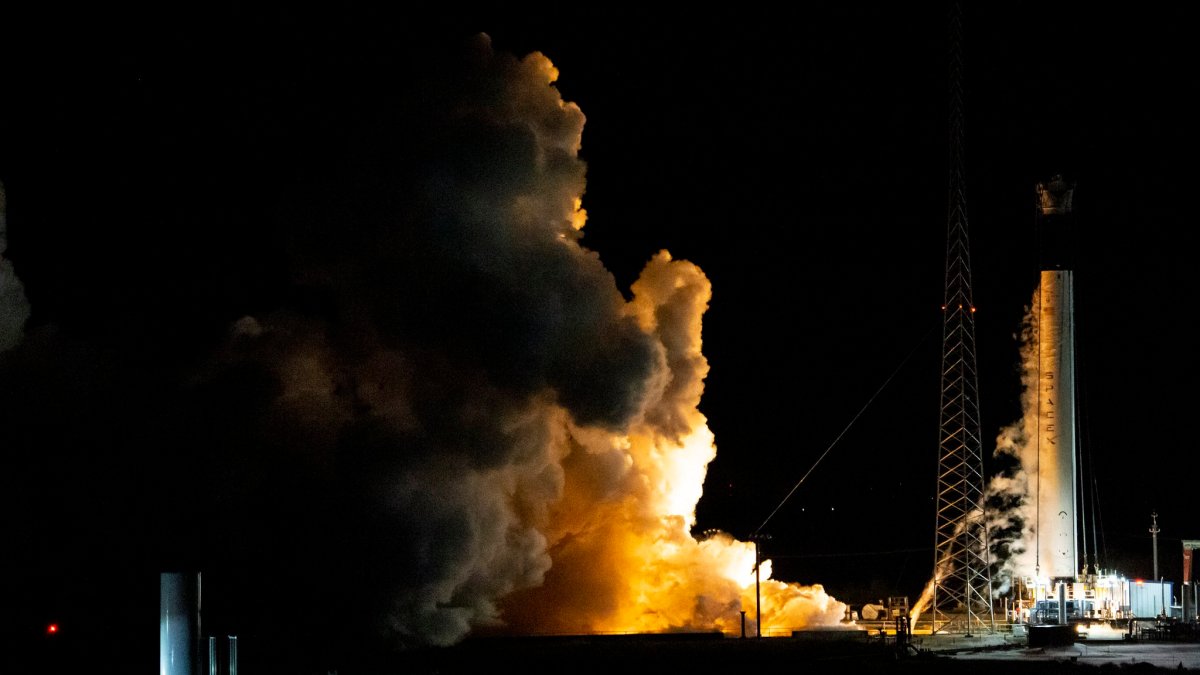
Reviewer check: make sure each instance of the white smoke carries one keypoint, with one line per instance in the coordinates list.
(14, 308)
(1012, 515)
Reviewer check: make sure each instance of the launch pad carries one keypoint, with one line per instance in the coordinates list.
(656, 653)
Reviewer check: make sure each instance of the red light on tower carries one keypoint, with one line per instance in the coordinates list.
(52, 629)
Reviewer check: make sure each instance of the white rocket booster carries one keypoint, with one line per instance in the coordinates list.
(1056, 527)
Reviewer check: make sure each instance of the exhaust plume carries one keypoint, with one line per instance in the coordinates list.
(440, 412)
(526, 439)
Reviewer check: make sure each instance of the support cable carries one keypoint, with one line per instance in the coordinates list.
(847, 428)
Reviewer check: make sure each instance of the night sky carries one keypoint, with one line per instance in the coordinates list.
(164, 173)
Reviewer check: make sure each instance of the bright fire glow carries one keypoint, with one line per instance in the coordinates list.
(579, 215)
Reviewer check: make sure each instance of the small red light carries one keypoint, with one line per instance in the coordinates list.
(52, 628)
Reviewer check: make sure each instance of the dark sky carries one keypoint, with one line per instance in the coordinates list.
(799, 158)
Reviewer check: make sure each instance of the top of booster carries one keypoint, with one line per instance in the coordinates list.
(1055, 223)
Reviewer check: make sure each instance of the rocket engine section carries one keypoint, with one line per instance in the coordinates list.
(1056, 488)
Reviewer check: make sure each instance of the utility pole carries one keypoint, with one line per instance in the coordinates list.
(757, 537)
(1154, 541)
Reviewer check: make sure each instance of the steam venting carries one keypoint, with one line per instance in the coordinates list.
(14, 308)
(1010, 507)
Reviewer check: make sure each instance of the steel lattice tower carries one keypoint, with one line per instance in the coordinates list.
(962, 592)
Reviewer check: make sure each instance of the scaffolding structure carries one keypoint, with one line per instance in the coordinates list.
(962, 593)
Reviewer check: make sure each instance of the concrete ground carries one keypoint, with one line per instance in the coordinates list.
(1005, 648)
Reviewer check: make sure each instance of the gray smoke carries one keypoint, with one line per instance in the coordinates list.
(14, 308)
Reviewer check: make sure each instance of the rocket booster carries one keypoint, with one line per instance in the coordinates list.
(1056, 497)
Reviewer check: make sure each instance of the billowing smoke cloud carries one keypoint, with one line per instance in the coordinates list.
(450, 415)
(14, 308)
(527, 441)
(463, 341)
(1011, 513)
